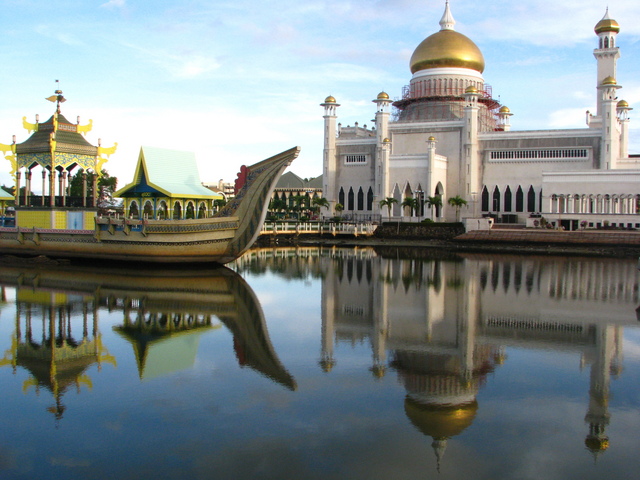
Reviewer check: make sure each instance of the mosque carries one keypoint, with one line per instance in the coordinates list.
(449, 137)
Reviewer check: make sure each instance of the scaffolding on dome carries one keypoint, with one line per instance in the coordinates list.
(433, 109)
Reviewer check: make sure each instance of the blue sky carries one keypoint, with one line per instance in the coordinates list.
(237, 81)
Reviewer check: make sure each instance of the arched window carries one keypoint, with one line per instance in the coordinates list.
(134, 212)
(161, 214)
(519, 199)
(351, 199)
(370, 199)
(507, 199)
(496, 200)
(485, 199)
(177, 211)
(202, 210)
(341, 197)
(190, 212)
(531, 199)
(147, 210)
(360, 199)
(606, 42)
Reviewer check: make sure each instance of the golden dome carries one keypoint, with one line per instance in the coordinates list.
(447, 48)
(504, 109)
(595, 444)
(609, 81)
(471, 89)
(606, 24)
(623, 104)
(386, 140)
(329, 99)
(432, 138)
(440, 421)
(383, 96)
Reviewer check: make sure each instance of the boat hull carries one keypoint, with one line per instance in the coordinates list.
(204, 240)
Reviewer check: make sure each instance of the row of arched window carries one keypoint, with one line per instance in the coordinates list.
(162, 211)
(352, 200)
(607, 42)
(508, 201)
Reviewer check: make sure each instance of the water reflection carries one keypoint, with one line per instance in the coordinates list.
(443, 323)
(57, 336)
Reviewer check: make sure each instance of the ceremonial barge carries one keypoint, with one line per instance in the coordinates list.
(167, 215)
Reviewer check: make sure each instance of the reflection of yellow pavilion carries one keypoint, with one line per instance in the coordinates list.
(164, 342)
(46, 344)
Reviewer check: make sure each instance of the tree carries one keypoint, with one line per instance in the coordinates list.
(388, 202)
(431, 202)
(339, 208)
(320, 202)
(299, 201)
(457, 202)
(412, 203)
(218, 203)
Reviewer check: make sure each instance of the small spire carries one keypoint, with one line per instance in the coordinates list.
(447, 22)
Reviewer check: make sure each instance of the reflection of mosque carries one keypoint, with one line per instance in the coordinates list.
(448, 324)
(57, 338)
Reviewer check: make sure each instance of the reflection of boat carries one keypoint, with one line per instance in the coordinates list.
(167, 308)
(177, 227)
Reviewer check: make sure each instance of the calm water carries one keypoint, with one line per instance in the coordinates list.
(317, 364)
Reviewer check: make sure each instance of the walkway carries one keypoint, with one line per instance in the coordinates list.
(315, 228)
(586, 237)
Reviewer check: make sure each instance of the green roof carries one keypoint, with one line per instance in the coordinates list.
(172, 172)
(68, 141)
(4, 195)
(291, 181)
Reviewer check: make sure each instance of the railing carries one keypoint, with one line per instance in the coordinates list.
(40, 201)
(318, 228)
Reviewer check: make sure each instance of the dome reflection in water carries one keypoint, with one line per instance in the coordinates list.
(322, 363)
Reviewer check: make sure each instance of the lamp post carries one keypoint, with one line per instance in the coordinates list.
(420, 198)
(474, 200)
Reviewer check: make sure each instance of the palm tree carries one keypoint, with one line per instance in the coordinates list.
(412, 203)
(431, 202)
(277, 205)
(338, 208)
(388, 202)
(320, 202)
(457, 202)
(299, 201)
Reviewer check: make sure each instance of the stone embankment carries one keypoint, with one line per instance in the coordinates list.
(451, 236)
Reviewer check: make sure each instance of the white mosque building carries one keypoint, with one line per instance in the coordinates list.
(448, 136)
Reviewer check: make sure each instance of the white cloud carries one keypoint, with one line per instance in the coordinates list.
(114, 4)
(53, 32)
(568, 118)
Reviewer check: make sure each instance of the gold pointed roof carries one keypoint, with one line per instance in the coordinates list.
(607, 24)
(440, 421)
(447, 48)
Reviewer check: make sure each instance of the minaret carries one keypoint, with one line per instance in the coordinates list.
(329, 154)
(430, 187)
(622, 110)
(607, 52)
(382, 147)
(504, 124)
(469, 176)
(608, 101)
